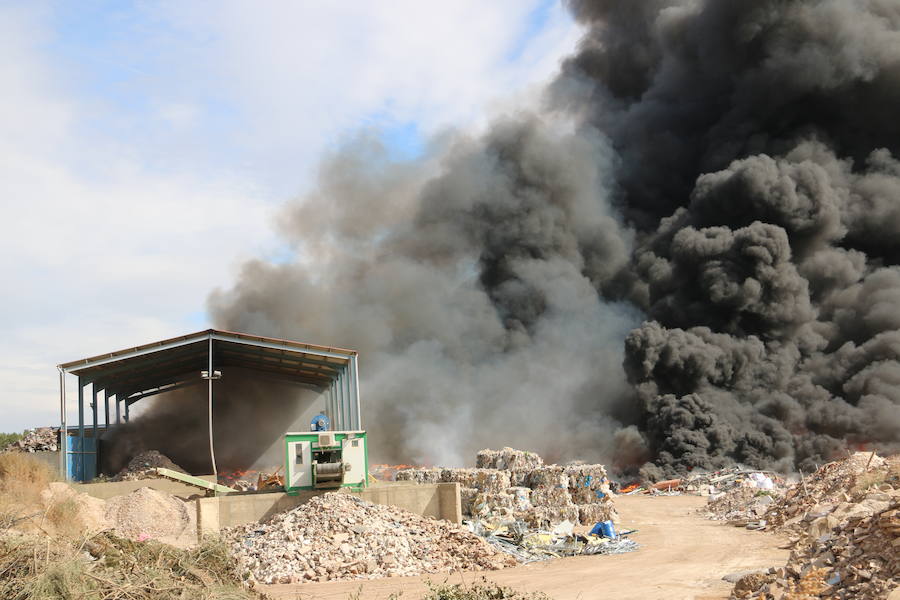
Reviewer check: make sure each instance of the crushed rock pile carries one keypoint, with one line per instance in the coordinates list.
(144, 465)
(517, 484)
(338, 536)
(844, 527)
(143, 514)
(148, 514)
(42, 439)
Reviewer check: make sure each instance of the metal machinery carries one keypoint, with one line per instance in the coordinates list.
(317, 460)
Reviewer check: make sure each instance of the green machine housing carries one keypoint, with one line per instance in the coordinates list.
(316, 460)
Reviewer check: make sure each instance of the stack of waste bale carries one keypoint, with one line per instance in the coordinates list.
(517, 484)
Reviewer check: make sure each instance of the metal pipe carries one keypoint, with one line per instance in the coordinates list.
(63, 431)
(209, 374)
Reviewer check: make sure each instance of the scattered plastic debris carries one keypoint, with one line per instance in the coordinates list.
(527, 545)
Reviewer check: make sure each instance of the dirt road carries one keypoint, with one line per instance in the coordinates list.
(682, 557)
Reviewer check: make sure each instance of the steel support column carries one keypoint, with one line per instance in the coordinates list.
(348, 404)
(354, 397)
(81, 425)
(118, 411)
(94, 410)
(63, 430)
(209, 374)
(106, 409)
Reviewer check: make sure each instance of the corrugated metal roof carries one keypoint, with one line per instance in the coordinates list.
(167, 362)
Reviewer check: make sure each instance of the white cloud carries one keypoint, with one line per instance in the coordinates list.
(119, 217)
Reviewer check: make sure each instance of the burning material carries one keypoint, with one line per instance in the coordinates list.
(270, 481)
(42, 439)
(387, 472)
(541, 496)
(340, 536)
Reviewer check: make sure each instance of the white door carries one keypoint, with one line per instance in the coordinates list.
(299, 467)
(353, 453)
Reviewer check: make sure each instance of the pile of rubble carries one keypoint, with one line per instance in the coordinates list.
(746, 501)
(844, 527)
(834, 483)
(709, 483)
(741, 507)
(518, 485)
(144, 465)
(42, 439)
(338, 536)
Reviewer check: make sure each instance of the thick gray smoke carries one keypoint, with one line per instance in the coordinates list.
(469, 286)
(250, 417)
(724, 170)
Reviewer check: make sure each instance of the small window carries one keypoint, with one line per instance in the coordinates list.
(298, 450)
(356, 443)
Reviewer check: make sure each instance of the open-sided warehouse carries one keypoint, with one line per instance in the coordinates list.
(112, 383)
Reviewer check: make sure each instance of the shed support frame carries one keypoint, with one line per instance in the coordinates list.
(334, 372)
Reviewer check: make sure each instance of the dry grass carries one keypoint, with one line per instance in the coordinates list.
(112, 568)
(23, 476)
(22, 479)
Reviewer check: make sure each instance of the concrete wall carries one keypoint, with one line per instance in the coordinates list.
(108, 489)
(439, 500)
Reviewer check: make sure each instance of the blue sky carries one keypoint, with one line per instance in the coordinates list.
(146, 147)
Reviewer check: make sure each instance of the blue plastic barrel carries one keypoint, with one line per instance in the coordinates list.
(605, 529)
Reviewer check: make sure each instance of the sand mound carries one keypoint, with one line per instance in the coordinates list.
(146, 513)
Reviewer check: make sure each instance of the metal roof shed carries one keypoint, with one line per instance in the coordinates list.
(127, 376)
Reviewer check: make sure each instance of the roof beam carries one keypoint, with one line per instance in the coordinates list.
(106, 359)
(277, 346)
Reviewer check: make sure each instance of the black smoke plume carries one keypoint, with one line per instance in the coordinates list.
(723, 170)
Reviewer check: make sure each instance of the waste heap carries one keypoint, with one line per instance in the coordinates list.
(339, 536)
(527, 545)
(746, 500)
(144, 465)
(517, 484)
(708, 483)
(42, 439)
(843, 522)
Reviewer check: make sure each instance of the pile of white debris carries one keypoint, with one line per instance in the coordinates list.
(517, 484)
(340, 536)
